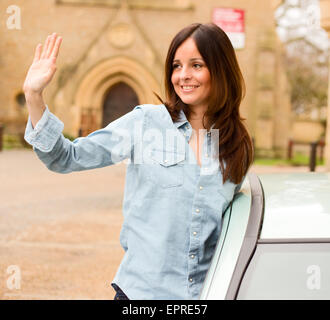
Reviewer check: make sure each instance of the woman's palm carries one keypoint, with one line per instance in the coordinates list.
(43, 66)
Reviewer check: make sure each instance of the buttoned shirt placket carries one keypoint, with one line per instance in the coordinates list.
(197, 208)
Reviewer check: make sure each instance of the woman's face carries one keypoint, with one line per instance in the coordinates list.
(190, 77)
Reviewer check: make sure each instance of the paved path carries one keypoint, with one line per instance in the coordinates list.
(62, 231)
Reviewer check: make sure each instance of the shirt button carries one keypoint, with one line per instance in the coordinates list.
(200, 188)
(192, 256)
(165, 160)
(197, 210)
(190, 279)
(206, 155)
(194, 233)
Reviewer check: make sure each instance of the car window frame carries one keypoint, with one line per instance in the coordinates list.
(251, 236)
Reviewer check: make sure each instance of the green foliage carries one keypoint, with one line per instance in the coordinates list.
(68, 136)
(14, 141)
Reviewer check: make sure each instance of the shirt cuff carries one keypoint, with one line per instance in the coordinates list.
(46, 132)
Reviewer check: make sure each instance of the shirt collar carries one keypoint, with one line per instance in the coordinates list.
(183, 119)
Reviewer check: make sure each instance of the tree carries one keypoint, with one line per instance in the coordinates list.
(306, 53)
(307, 71)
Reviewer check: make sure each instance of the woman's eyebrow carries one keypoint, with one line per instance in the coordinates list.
(192, 59)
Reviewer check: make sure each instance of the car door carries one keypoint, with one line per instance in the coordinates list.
(236, 243)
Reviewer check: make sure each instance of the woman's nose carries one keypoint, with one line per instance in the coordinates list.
(185, 74)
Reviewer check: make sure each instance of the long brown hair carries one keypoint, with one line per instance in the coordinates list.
(227, 92)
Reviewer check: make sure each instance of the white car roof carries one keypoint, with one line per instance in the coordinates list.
(297, 205)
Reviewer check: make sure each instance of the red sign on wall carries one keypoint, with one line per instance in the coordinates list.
(232, 22)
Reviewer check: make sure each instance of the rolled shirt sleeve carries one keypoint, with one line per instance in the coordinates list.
(46, 132)
(103, 147)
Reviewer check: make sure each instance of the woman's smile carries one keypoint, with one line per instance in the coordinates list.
(188, 88)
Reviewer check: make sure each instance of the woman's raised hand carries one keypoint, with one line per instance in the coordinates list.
(43, 66)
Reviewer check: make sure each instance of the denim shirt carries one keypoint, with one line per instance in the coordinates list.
(172, 207)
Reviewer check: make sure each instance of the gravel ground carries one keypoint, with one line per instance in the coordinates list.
(61, 232)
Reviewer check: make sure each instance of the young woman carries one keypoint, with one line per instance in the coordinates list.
(187, 158)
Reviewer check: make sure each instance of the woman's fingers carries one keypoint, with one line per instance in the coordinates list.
(44, 51)
(50, 48)
(51, 45)
(37, 52)
(56, 47)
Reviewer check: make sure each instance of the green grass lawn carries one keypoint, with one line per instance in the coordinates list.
(298, 159)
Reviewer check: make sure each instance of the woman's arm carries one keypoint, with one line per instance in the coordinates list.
(39, 76)
(103, 147)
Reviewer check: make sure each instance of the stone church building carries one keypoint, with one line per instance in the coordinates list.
(112, 58)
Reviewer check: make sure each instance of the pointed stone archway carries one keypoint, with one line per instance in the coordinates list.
(92, 90)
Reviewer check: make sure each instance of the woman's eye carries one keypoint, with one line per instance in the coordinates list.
(197, 65)
(175, 66)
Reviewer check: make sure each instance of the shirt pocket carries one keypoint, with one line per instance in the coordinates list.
(166, 169)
